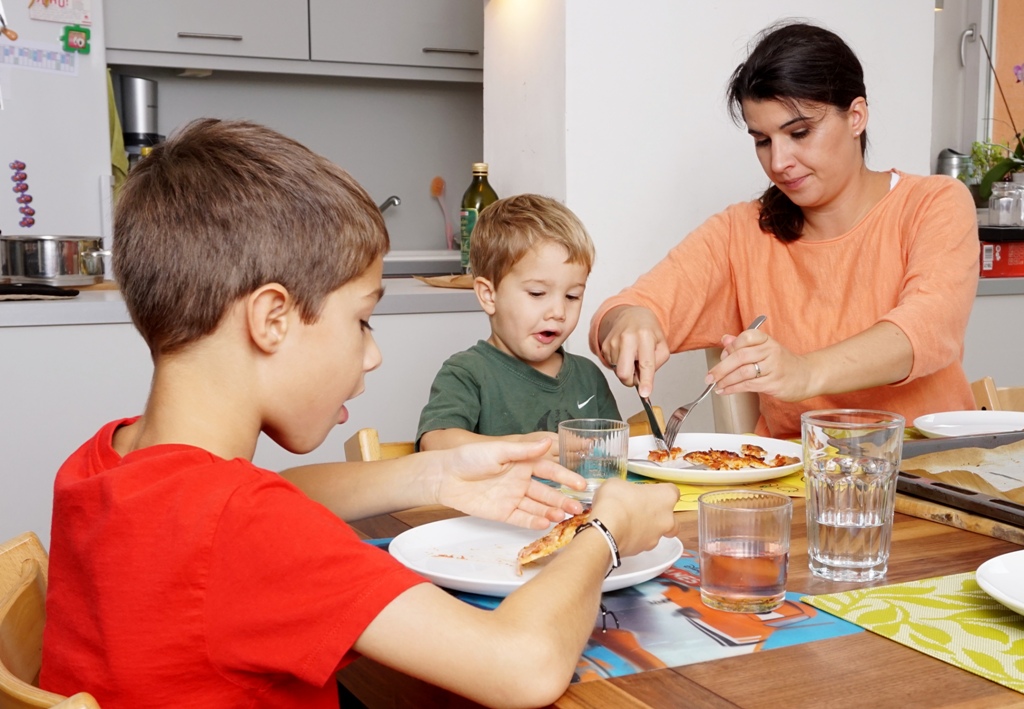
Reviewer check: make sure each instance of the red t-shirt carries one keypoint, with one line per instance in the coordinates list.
(179, 577)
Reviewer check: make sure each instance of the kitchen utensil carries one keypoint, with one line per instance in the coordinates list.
(680, 414)
(138, 115)
(960, 498)
(56, 260)
(437, 191)
(4, 29)
(651, 418)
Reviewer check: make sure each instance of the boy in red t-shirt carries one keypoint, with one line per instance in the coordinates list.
(180, 573)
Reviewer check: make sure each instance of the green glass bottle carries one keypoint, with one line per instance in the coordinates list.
(479, 195)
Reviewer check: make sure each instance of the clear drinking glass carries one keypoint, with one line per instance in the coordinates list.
(596, 449)
(851, 458)
(744, 549)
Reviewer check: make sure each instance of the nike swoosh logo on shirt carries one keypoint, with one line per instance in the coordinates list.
(580, 406)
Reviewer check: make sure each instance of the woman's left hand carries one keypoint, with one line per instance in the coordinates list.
(496, 480)
(753, 361)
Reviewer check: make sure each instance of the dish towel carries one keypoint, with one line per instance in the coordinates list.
(948, 617)
(118, 155)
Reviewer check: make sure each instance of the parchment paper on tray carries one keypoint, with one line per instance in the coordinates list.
(991, 471)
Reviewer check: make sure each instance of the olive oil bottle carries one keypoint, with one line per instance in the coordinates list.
(479, 195)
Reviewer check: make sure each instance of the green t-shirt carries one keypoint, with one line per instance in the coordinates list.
(485, 391)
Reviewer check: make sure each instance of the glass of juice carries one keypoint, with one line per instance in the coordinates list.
(851, 461)
(597, 449)
(744, 549)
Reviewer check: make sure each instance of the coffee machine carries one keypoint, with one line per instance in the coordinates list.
(138, 116)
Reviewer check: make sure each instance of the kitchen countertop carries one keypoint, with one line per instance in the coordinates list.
(401, 296)
(93, 307)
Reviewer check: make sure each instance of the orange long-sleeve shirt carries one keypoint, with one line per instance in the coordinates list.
(912, 261)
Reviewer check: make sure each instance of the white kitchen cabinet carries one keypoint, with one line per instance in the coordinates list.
(277, 29)
(430, 33)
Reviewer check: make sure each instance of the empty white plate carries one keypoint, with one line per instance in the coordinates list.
(1003, 579)
(969, 423)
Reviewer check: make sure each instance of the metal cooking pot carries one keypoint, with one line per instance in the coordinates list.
(57, 260)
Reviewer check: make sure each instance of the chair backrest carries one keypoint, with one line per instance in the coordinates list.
(988, 396)
(365, 445)
(735, 413)
(23, 573)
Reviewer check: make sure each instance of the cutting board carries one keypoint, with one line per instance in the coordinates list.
(926, 509)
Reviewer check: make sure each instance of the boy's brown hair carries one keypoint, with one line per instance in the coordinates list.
(223, 207)
(510, 227)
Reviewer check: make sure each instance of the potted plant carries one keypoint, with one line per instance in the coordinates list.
(1011, 158)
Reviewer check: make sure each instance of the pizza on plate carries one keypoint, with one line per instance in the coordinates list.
(560, 535)
(663, 456)
(750, 456)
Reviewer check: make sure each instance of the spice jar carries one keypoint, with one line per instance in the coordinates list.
(1004, 206)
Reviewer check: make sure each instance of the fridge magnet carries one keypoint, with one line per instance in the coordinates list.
(23, 197)
(76, 39)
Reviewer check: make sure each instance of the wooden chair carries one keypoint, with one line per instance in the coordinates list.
(23, 572)
(640, 426)
(365, 445)
(987, 396)
(736, 413)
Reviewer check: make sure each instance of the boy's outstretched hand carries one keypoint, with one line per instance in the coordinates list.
(496, 481)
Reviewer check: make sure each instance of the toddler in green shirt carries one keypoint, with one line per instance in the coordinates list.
(531, 257)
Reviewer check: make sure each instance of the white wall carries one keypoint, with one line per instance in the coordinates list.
(63, 382)
(650, 151)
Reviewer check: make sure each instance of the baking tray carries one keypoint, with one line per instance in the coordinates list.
(956, 497)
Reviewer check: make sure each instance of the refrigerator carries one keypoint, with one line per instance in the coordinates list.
(54, 121)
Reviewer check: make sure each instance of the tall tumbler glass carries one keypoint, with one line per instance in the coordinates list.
(597, 449)
(851, 458)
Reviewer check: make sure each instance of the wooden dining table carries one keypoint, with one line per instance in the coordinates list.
(858, 670)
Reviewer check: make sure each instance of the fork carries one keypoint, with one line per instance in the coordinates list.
(680, 414)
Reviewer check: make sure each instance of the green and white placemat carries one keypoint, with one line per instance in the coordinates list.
(948, 617)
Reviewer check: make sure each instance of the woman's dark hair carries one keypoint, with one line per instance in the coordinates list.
(795, 63)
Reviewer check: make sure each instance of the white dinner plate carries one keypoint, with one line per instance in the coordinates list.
(969, 423)
(640, 446)
(1003, 579)
(479, 556)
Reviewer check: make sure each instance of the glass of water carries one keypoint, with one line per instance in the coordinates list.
(851, 458)
(597, 449)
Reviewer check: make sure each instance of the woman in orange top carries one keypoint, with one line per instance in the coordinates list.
(867, 277)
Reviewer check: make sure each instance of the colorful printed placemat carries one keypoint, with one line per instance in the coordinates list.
(791, 485)
(663, 623)
(948, 617)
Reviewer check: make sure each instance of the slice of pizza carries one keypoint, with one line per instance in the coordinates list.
(663, 456)
(560, 535)
(752, 451)
(781, 461)
(723, 460)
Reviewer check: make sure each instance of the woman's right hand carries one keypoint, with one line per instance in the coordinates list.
(631, 335)
(638, 515)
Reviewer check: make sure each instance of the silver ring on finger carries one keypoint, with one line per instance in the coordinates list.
(757, 370)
